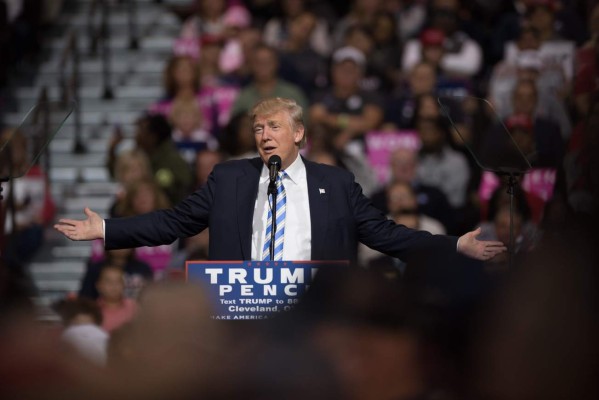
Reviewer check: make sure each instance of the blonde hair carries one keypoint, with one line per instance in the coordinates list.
(274, 105)
(127, 158)
(126, 207)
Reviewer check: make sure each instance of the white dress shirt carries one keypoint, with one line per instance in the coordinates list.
(298, 235)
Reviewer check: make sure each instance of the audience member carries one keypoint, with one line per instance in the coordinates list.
(300, 63)
(82, 321)
(116, 309)
(462, 57)
(345, 110)
(431, 201)
(278, 31)
(543, 146)
(373, 79)
(411, 15)
(403, 208)
(537, 93)
(27, 206)
(239, 139)
(441, 166)
(401, 105)
(361, 13)
(204, 163)
(171, 172)
(136, 273)
(266, 82)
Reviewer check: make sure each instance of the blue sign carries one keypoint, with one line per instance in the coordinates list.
(254, 289)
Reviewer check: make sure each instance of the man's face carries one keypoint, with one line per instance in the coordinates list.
(422, 79)
(346, 74)
(525, 99)
(264, 65)
(274, 134)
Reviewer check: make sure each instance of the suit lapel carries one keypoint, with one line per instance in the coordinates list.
(247, 190)
(318, 197)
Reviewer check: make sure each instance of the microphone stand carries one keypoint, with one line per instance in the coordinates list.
(511, 184)
(272, 190)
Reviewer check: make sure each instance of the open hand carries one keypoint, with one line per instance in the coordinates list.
(87, 229)
(470, 246)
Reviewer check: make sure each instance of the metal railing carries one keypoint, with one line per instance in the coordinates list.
(99, 36)
(69, 85)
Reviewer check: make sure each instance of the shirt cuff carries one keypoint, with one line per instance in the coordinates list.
(457, 245)
(103, 229)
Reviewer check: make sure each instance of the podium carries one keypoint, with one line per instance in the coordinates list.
(247, 290)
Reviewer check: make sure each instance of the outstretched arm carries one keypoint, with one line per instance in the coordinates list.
(470, 246)
(87, 229)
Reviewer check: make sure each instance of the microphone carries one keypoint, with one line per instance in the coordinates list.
(274, 166)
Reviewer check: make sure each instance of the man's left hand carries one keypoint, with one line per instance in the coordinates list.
(470, 246)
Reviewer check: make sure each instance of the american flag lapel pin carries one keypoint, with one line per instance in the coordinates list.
(321, 191)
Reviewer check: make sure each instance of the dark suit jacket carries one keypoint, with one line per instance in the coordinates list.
(340, 217)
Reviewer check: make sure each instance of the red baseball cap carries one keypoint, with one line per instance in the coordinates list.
(519, 121)
(432, 37)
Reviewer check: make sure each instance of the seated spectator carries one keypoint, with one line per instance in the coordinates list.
(401, 105)
(547, 144)
(346, 110)
(143, 197)
(204, 163)
(529, 63)
(411, 16)
(462, 57)
(439, 165)
(403, 209)
(129, 167)
(496, 225)
(548, 88)
(171, 172)
(361, 13)
(210, 99)
(116, 309)
(431, 201)
(188, 135)
(29, 196)
(208, 19)
(278, 31)
(266, 82)
(82, 321)
(386, 57)
(541, 16)
(373, 77)
(239, 139)
(300, 63)
(136, 273)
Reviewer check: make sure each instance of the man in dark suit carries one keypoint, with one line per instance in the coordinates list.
(326, 212)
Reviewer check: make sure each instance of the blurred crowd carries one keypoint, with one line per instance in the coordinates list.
(416, 98)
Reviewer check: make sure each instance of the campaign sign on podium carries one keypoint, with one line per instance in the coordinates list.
(254, 289)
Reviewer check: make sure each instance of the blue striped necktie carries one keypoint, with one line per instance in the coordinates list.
(280, 215)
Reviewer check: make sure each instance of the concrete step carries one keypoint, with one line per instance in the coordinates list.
(79, 160)
(75, 252)
(149, 93)
(98, 204)
(57, 287)
(98, 145)
(113, 117)
(58, 269)
(162, 43)
(75, 175)
(86, 79)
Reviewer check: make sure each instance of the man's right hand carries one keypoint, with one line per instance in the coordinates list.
(87, 229)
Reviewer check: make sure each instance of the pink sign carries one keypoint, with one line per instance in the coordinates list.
(538, 181)
(381, 144)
